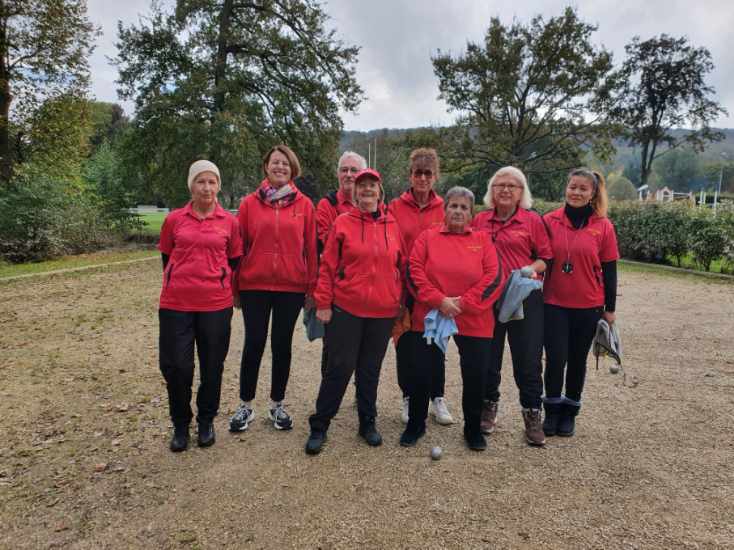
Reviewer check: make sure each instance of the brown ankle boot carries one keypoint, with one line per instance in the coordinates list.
(488, 421)
(533, 427)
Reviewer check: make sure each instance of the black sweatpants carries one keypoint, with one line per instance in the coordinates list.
(356, 345)
(473, 354)
(526, 346)
(404, 356)
(179, 331)
(568, 336)
(256, 308)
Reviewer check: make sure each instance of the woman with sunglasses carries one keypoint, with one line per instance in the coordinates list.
(580, 289)
(417, 209)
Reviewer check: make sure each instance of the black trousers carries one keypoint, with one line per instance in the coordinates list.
(568, 336)
(179, 331)
(404, 356)
(526, 346)
(256, 308)
(474, 355)
(356, 345)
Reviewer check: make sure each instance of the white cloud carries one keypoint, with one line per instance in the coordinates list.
(397, 39)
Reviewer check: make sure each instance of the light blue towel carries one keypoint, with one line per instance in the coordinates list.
(438, 329)
(516, 290)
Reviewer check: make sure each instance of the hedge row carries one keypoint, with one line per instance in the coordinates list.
(656, 232)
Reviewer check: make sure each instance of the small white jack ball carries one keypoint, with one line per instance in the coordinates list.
(436, 453)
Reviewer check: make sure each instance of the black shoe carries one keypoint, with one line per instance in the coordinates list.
(369, 433)
(180, 439)
(552, 416)
(206, 436)
(476, 441)
(315, 441)
(567, 420)
(411, 436)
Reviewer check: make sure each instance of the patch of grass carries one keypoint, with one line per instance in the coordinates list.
(153, 222)
(668, 271)
(687, 261)
(70, 262)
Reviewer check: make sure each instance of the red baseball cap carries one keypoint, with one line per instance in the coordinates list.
(367, 172)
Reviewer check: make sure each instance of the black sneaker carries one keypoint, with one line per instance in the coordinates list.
(411, 436)
(241, 419)
(180, 439)
(206, 436)
(476, 441)
(369, 433)
(281, 419)
(315, 442)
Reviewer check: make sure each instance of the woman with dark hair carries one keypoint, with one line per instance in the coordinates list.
(200, 245)
(277, 273)
(580, 289)
(456, 277)
(417, 209)
(522, 245)
(358, 296)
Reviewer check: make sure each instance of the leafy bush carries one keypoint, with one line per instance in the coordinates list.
(710, 236)
(50, 219)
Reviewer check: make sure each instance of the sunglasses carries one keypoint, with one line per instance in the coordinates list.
(420, 173)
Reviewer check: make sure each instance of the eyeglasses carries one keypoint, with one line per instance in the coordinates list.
(348, 170)
(506, 186)
(420, 173)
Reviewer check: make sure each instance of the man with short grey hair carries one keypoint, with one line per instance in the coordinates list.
(339, 201)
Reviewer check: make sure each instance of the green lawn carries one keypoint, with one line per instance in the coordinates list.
(153, 222)
(70, 262)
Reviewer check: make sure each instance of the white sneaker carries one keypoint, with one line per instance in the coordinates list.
(405, 413)
(440, 411)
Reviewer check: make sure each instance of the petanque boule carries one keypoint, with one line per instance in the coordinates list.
(436, 453)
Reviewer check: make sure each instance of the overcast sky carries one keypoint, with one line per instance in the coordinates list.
(398, 37)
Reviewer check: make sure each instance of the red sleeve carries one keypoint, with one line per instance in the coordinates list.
(235, 240)
(166, 243)
(324, 293)
(482, 295)
(242, 222)
(609, 251)
(325, 216)
(309, 241)
(421, 286)
(541, 242)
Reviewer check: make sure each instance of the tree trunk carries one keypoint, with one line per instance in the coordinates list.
(6, 98)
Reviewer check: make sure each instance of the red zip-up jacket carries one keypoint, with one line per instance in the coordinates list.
(362, 266)
(445, 264)
(327, 210)
(197, 276)
(279, 242)
(412, 219)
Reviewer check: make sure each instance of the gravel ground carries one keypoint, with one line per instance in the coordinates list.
(84, 461)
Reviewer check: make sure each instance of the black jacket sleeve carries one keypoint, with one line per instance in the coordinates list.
(165, 258)
(609, 272)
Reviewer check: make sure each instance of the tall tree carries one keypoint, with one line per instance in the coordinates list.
(44, 45)
(663, 86)
(525, 96)
(227, 79)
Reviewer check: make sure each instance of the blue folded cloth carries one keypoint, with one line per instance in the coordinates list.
(314, 327)
(438, 328)
(518, 288)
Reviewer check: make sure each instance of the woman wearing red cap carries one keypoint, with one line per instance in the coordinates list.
(456, 277)
(417, 209)
(358, 296)
(277, 272)
(580, 289)
(201, 246)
